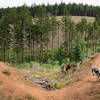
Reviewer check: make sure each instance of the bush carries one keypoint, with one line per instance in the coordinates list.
(31, 64)
(65, 61)
(59, 85)
(60, 55)
(56, 85)
(67, 83)
(98, 49)
(49, 61)
(78, 79)
(29, 97)
(0, 91)
(1, 81)
(46, 55)
(6, 72)
(67, 80)
(56, 62)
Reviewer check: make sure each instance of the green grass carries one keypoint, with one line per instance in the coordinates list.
(34, 64)
(24, 65)
(48, 73)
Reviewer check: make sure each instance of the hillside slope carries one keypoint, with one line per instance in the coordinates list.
(77, 19)
(14, 85)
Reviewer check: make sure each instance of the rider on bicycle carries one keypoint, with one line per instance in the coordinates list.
(95, 70)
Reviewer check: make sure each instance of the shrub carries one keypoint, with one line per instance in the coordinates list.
(67, 83)
(55, 63)
(60, 55)
(47, 55)
(68, 78)
(19, 99)
(49, 61)
(6, 72)
(98, 96)
(78, 79)
(65, 61)
(31, 64)
(98, 49)
(29, 97)
(1, 81)
(56, 85)
(59, 85)
(0, 91)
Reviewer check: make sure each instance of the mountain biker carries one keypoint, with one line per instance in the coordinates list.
(95, 70)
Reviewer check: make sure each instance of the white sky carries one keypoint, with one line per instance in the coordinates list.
(12, 3)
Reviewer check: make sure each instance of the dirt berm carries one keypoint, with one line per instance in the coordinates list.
(14, 85)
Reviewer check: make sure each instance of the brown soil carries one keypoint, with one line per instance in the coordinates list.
(86, 89)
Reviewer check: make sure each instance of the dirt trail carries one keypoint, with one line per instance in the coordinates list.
(15, 85)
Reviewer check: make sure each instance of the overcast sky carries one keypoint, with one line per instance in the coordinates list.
(12, 3)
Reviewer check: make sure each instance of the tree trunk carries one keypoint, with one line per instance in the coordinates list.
(22, 54)
(41, 47)
(3, 52)
(52, 47)
(33, 44)
(87, 47)
(8, 55)
(17, 57)
(58, 37)
(93, 39)
(4, 56)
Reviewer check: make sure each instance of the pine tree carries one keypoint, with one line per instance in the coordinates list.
(4, 36)
(69, 29)
(53, 32)
(78, 50)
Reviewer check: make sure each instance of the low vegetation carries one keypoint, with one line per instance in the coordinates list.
(29, 97)
(48, 76)
(6, 72)
(1, 81)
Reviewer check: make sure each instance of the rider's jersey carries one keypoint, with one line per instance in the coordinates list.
(95, 69)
